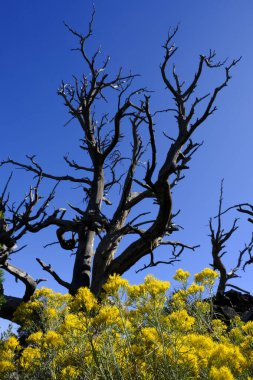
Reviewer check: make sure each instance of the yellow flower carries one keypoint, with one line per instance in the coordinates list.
(135, 291)
(51, 313)
(69, 372)
(72, 323)
(195, 288)
(201, 342)
(180, 295)
(25, 312)
(236, 335)
(178, 305)
(181, 275)
(155, 287)
(247, 343)
(202, 307)
(248, 328)
(6, 366)
(30, 358)
(107, 315)
(222, 373)
(180, 320)
(206, 276)
(52, 339)
(219, 327)
(140, 334)
(188, 361)
(114, 283)
(201, 345)
(179, 299)
(35, 338)
(84, 299)
(150, 334)
(12, 343)
(228, 353)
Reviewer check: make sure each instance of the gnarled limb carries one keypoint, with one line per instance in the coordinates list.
(10, 303)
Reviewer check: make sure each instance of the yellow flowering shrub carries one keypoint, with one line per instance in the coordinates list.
(6, 367)
(134, 332)
(11, 344)
(222, 373)
(224, 353)
(9, 349)
(30, 359)
(44, 311)
(69, 372)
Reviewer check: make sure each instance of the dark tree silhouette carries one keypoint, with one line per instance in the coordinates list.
(219, 238)
(96, 259)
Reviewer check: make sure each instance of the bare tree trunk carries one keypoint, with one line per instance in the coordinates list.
(82, 267)
(105, 253)
(86, 235)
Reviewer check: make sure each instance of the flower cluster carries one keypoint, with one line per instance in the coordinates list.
(206, 277)
(134, 332)
(181, 275)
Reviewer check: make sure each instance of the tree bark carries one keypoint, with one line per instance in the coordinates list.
(9, 306)
(86, 235)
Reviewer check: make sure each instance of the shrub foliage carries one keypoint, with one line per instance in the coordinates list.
(132, 332)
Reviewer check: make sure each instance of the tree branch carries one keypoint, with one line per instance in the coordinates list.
(48, 268)
(40, 173)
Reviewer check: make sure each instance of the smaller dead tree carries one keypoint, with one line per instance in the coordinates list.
(219, 238)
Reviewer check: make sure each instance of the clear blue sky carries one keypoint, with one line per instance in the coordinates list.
(35, 57)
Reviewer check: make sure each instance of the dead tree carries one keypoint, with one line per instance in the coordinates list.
(96, 259)
(219, 238)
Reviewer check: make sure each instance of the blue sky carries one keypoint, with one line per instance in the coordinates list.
(35, 57)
